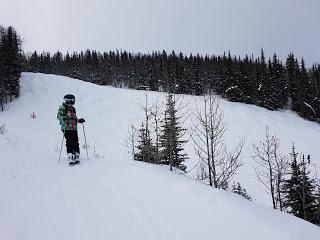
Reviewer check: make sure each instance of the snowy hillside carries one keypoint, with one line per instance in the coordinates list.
(110, 196)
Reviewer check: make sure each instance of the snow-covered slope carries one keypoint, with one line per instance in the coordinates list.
(112, 197)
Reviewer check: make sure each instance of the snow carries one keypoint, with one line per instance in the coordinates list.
(110, 196)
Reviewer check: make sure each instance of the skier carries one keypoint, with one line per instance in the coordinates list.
(68, 121)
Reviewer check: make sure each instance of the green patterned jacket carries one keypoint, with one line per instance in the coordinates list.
(67, 117)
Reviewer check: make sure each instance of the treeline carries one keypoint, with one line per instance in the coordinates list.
(10, 65)
(264, 82)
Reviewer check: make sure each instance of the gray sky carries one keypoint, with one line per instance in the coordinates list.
(197, 26)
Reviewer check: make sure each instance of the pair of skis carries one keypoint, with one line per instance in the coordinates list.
(72, 163)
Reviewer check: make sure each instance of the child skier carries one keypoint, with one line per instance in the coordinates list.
(68, 121)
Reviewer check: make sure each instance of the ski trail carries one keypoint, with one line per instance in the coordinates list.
(138, 211)
(113, 197)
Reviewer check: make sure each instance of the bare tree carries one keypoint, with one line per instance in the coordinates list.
(272, 167)
(208, 139)
(202, 173)
(317, 191)
(281, 170)
(131, 140)
(156, 113)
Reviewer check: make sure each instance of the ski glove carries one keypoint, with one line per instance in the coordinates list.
(81, 120)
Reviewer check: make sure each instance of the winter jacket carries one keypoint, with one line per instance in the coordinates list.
(67, 117)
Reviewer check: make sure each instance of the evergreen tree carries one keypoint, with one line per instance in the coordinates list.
(238, 189)
(306, 94)
(300, 198)
(291, 78)
(277, 93)
(146, 149)
(315, 86)
(171, 137)
(10, 65)
(317, 213)
(262, 80)
(293, 74)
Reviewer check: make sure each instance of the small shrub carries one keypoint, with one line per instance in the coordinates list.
(3, 129)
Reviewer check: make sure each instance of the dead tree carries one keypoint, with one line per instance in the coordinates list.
(156, 113)
(281, 170)
(208, 139)
(131, 140)
(271, 167)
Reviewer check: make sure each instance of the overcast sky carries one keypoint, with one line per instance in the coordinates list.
(196, 26)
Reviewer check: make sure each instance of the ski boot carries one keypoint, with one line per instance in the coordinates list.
(70, 157)
(74, 159)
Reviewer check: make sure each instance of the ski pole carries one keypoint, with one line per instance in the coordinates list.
(85, 141)
(61, 146)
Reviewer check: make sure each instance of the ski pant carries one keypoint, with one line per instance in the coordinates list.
(72, 141)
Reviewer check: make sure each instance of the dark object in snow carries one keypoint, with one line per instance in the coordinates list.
(142, 87)
(81, 120)
(74, 163)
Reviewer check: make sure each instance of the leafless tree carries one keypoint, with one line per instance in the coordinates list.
(156, 113)
(272, 167)
(208, 138)
(281, 170)
(131, 140)
(202, 173)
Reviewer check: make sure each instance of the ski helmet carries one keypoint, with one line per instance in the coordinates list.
(69, 99)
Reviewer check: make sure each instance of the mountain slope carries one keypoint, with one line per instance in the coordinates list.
(110, 196)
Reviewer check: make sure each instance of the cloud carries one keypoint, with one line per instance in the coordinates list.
(197, 26)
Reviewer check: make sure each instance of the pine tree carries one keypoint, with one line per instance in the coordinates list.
(317, 213)
(262, 80)
(146, 149)
(306, 94)
(277, 96)
(300, 198)
(10, 65)
(291, 78)
(171, 137)
(315, 86)
(238, 189)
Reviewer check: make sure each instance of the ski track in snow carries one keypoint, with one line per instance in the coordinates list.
(113, 197)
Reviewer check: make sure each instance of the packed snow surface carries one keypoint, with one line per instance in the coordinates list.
(110, 196)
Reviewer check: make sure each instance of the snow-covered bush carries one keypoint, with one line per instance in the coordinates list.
(238, 189)
(2, 128)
